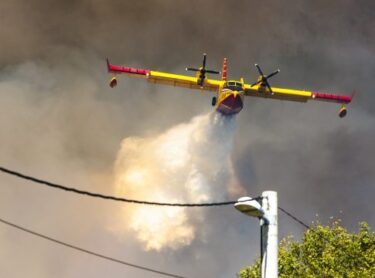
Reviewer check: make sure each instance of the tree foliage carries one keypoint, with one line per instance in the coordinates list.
(325, 251)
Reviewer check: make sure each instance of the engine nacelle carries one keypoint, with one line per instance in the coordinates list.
(113, 82)
(343, 111)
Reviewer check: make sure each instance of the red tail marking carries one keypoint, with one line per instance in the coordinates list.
(224, 70)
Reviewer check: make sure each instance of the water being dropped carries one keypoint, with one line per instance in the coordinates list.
(189, 162)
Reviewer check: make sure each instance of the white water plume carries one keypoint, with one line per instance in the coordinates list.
(189, 162)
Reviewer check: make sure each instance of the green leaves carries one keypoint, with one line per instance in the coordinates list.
(325, 251)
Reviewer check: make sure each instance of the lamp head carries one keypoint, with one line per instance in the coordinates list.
(249, 207)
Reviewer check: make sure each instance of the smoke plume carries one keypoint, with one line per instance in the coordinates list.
(189, 162)
(61, 121)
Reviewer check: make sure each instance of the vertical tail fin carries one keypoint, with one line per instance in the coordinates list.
(224, 70)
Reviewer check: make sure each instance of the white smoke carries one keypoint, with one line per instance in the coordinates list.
(187, 163)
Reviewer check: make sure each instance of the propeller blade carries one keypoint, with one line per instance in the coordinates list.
(213, 71)
(202, 71)
(269, 87)
(272, 74)
(260, 71)
(256, 83)
(264, 79)
(192, 69)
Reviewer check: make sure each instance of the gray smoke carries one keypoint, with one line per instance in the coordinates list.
(60, 121)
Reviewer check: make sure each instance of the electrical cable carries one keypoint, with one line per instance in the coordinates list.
(97, 195)
(294, 218)
(87, 251)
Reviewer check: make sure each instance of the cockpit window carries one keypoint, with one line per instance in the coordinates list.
(234, 86)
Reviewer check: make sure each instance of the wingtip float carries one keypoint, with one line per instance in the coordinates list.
(229, 93)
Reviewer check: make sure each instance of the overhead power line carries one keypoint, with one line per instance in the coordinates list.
(88, 251)
(97, 195)
(294, 218)
(120, 199)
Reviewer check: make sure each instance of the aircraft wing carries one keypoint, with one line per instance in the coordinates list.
(294, 95)
(165, 78)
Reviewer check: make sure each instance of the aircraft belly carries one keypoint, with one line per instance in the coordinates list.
(230, 105)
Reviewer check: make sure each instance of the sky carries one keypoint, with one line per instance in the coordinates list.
(61, 122)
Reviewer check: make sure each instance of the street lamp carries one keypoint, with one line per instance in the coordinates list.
(267, 214)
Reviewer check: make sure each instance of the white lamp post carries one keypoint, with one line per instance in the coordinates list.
(267, 213)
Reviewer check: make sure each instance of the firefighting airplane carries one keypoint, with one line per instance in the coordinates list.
(230, 93)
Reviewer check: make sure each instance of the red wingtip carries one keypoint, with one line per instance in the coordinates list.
(332, 97)
(120, 69)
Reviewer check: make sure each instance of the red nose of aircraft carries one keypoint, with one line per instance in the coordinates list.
(232, 104)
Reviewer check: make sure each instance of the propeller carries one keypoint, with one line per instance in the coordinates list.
(202, 70)
(263, 80)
